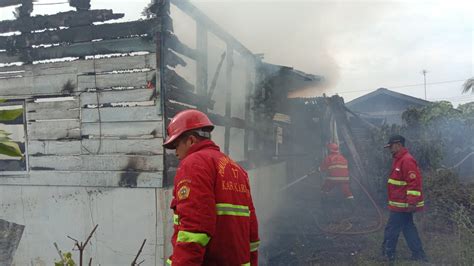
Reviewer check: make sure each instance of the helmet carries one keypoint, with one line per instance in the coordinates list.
(333, 147)
(184, 121)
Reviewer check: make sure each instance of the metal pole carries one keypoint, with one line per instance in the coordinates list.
(424, 77)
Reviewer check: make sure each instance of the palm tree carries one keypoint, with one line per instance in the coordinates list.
(468, 86)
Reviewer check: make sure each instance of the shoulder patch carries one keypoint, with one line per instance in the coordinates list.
(412, 175)
(183, 192)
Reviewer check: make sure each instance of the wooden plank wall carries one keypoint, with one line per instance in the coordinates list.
(180, 94)
(89, 122)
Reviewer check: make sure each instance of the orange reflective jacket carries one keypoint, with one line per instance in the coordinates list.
(405, 184)
(214, 216)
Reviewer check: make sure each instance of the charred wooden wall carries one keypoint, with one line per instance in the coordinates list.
(92, 104)
(223, 82)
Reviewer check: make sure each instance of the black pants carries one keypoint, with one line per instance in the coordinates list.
(401, 221)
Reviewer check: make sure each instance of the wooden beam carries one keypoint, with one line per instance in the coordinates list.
(97, 162)
(120, 114)
(174, 43)
(4, 3)
(116, 96)
(63, 19)
(80, 34)
(213, 27)
(173, 60)
(172, 79)
(201, 63)
(84, 178)
(188, 97)
(50, 79)
(174, 108)
(53, 130)
(128, 45)
(53, 110)
(247, 113)
(228, 96)
(123, 130)
(111, 80)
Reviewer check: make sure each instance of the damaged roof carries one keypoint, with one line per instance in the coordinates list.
(290, 78)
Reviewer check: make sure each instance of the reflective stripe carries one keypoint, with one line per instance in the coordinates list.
(176, 219)
(338, 166)
(168, 261)
(405, 205)
(246, 264)
(413, 192)
(254, 246)
(189, 237)
(397, 182)
(231, 209)
(338, 178)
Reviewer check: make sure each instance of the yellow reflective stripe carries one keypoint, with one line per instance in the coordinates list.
(405, 205)
(338, 166)
(398, 204)
(168, 261)
(189, 237)
(233, 210)
(176, 219)
(246, 264)
(413, 192)
(338, 178)
(254, 246)
(397, 182)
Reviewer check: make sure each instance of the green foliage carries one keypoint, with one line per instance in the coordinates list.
(66, 261)
(9, 115)
(7, 146)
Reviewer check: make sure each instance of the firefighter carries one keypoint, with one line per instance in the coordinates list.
(214, 216)
(337, 172)
(405, 197)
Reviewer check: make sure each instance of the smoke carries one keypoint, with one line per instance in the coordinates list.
(308, 35)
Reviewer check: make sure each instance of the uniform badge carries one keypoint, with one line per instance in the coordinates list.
(412, 175)
(183, 192)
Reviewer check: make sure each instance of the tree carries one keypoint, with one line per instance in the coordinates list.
(468, 86)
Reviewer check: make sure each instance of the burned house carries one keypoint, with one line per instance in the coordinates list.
(96, 97)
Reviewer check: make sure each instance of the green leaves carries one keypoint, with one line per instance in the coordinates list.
(9, 115)
(7, 145)
(66, 261)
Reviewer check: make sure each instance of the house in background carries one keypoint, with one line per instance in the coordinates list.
(384, 106)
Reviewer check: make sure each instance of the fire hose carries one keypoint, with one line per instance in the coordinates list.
(367, 231)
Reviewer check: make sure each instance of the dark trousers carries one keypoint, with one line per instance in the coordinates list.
(401, 222)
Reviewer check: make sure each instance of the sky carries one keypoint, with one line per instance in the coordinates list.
(358, 46)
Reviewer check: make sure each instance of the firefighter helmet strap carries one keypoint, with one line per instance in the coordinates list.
(203, 134)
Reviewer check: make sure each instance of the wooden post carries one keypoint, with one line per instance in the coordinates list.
(228, 96)
(248, 96)
(201, 63)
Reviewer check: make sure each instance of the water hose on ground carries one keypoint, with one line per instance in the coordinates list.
(367, 231)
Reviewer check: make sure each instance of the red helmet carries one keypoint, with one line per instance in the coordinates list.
(333, 147)
(184, 121)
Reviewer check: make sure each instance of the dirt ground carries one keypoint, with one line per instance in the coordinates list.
(296, 235)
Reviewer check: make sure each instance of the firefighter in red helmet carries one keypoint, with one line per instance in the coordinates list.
(336, 167)
(214, 216)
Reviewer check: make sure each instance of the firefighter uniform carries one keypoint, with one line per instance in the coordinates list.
(405, 197)
(214, 217)
(337, 172)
